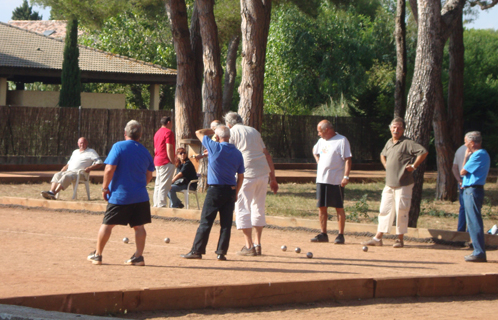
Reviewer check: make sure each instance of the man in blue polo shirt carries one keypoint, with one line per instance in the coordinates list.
(474, 172)
(128, 170)
(225, 161)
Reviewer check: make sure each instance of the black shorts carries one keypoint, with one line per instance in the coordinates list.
(135, 214)
(329, 195)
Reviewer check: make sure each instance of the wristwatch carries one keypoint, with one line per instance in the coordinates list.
(105, 189)
(346, 177)
(414, 168)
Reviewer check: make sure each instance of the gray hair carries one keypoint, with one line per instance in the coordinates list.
(133, 130)
(215, 123)
(474, 136)
(398, 120)
(223, 132)
(325, 124)
(232, 118)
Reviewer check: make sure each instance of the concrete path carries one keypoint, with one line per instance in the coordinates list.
(283, 176)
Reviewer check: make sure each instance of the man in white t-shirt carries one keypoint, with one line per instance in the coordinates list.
(457, 167)
(333, 156)
(82, 158)
(250, 205)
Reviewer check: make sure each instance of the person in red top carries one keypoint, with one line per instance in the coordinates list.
(164, 153)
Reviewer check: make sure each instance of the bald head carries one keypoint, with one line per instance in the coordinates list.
(325, 129)
(82, 143)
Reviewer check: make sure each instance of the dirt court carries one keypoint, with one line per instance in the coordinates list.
(46, 252)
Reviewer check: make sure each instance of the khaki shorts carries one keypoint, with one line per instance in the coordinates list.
(65, 178)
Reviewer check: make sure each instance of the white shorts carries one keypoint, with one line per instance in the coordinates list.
(395, 202)
(250, 205)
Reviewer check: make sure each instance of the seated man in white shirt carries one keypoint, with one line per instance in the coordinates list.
(82, 158)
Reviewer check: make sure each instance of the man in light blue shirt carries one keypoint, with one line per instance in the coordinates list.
(474, 172)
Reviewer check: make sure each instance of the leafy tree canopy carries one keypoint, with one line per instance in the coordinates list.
(480, 85)
(93, 13)
(25, 12)
(339, 55)
(141, 35)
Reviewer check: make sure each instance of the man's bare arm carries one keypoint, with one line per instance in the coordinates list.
(94, 166)
(64, 168)
(468, 153)
(108, 174)
(417, 162)
(203, 132)
(170, 150)
(273, 178)
(148, 176)
(347, 170)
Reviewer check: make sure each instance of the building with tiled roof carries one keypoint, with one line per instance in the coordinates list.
(50, 28)
(27, 57)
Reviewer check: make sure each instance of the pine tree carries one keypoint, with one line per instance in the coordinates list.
(25, 12)
(70, 94)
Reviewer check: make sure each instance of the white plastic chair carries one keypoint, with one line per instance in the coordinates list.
(85, 179)
(187, 191)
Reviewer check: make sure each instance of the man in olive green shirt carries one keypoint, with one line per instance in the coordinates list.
(398, 158)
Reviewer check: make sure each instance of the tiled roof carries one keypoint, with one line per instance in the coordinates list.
(25, 49)
(52, 28)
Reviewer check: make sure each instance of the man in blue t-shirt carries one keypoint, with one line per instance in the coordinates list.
(475, 169)
(225, 161)
(128, 170)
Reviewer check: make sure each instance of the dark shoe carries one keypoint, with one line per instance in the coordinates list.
(247, 252)
(472, 258)
(94, 258)
(339, 239)
(135, 261)
(221, 257)
(257, 247)
(49, 195)
(398, 243)
(191, 255)
(180, 206)
(321, 237)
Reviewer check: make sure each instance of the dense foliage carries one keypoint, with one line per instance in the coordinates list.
(70, 94)
(481, 86)
(139, 35)
(338, 56)
(25, 12)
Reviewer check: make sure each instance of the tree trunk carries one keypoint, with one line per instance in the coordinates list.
(211, 90)
(449, 138)
(422, 96)
(188, 93)
(446, 184)
(400, 35)
(255, 26)
(230, 73)
(455, 84)
(196, 45)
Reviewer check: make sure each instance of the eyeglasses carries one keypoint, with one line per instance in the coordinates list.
(182, 153)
